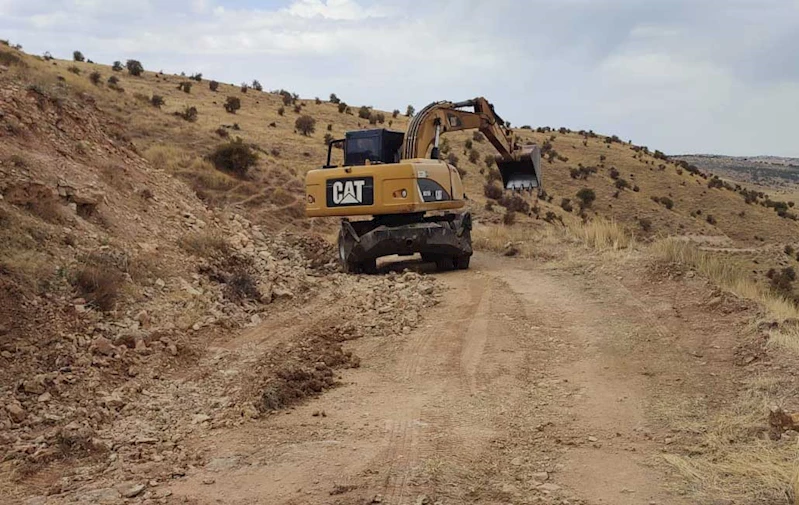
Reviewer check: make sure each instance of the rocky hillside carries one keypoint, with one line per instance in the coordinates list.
(761, 170)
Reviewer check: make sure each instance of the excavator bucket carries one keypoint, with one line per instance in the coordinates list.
(523, 171)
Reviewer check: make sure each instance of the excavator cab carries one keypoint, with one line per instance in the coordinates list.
(373, 146)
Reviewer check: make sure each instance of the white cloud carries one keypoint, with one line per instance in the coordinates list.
(675, 74)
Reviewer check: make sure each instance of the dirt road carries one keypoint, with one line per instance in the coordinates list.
(527, 384)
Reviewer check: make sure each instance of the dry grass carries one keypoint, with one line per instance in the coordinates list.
(730, 456)
(527, 242)
(727, 273)
(602, 234)
(205, 244)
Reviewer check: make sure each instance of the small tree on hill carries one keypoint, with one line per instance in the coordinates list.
(134, 67)
(117, 66)
(334, 99)
(305, 124)
(342, 107)
(235, 157)
(213, 85)
(410, 111)
(78, 56)
(586, 197)
(232, 104)
(257, 85)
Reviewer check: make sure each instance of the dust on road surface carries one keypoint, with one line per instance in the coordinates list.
(527, 384)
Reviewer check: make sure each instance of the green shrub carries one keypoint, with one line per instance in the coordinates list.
(234, 157)
(410, 111)
(492, 191)
(196, 77)
(621, 184)
(257, 85)
(364, 112)
(336, 100)
(117, 66)
(305, 124)
(78, 56)
(232, 104)
(190, 114)
(395, 113)
(134, 67)
(586, 197)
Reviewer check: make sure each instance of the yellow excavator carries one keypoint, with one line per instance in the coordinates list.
(411, 194)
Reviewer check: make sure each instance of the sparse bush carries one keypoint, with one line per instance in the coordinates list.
(782, 281)
(664, 201)
(318, 101)
(410, 111)
(222, 132)
(710, 219)
(232, 104)
(196, 77)
(113, 81)
(117, 66)
(341, 107)
(257, 85)
(715, 182)
(336, 100)
(234, 157)
(452, 159)
(395, 113)
(474, 156)
(244, 87)
(645, 224)
(621, 184)
(551, 217)
(330, 127)
(492, 191)
(614, 174)
(157, 101)
(75, 70)
(281, 110)
(509, 218)
(297, 109)
(78, 56)
(477, 137)
(189, 114)
(490, 160)
(288, 99)
(636, 188)
(95, 77)
(566, 205)
(99, 285)
(514, 203)
(789, 250)
(134, 67)
(305, 124)
(364, 112)
(586, 197)
(185, 86)
(468, 144)
(213, 86)
(328, 139)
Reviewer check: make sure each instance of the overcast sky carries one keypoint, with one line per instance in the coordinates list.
(682, 76)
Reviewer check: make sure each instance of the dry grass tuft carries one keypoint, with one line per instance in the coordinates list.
(727, 273)
(732, 457)
(602, 234)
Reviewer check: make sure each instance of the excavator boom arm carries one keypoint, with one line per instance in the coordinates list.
(519, 166)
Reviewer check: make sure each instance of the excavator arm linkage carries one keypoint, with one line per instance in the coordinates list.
(519, 166)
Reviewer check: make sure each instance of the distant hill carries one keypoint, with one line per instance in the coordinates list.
(765, 170)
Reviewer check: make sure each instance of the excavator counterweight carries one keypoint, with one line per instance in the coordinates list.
(411, 195)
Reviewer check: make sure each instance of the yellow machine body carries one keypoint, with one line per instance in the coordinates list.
(408, 187)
